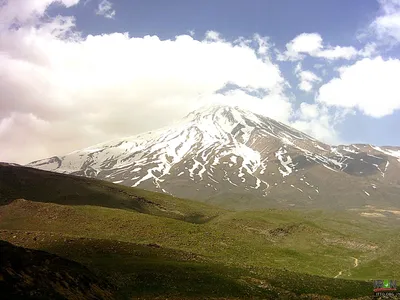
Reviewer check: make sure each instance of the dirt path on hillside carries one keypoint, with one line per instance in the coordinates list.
(355, 265)
(355, 262)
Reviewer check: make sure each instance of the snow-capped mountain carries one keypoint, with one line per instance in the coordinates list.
(237, 158)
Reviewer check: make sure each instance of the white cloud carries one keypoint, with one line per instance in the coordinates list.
(263, 44)
(338, 52)
(62, 92)
(315, 120)
(213, 36)
(307, 79)
(306, 43)
(275, 105)
(370, 85)
(387, 25)
(105, 9)
(305, 86)
(312, 44)
(22, 11)
(308, 111)
(370, 50)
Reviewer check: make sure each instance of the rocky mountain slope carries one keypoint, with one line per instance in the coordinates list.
(239, 159)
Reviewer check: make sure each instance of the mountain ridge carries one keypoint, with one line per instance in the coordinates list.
(223, 150)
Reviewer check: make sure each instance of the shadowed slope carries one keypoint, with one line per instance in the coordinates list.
(32, 274)
(43, 186)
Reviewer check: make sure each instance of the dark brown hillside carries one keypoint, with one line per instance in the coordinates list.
(33, 274)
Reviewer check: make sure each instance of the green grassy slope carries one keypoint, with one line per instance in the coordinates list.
(149, 271)
(189, 249)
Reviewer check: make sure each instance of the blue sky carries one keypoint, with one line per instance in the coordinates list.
(338, 21)
(330, 67)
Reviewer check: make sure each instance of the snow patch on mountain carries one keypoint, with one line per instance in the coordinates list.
(394, 153)
(285, 162)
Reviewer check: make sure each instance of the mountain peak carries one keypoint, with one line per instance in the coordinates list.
(226, 150)
(218, 109)
(230, 120)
